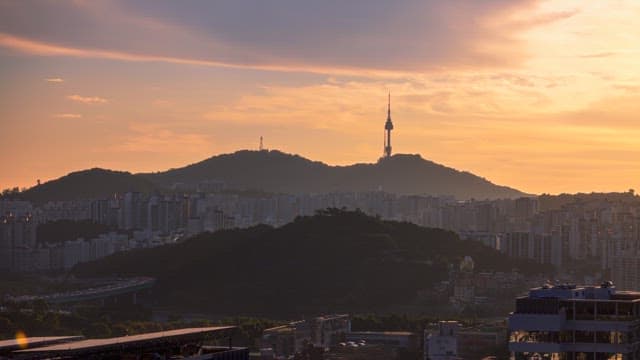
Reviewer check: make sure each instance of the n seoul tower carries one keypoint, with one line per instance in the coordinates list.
(388, 126)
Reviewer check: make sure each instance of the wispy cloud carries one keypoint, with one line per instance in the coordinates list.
(54, 80)
(67, 116)
(598, 55)
(359, 38)
(152, 138)
(46, 49)
(544, 18)
(88, 99)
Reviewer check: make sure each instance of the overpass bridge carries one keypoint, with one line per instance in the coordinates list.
(116, 288)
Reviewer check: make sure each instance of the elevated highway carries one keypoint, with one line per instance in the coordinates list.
(116, 288)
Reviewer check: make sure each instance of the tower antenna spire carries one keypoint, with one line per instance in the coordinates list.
(261, 146)
(388, 126)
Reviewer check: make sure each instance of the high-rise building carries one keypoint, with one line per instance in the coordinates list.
(516, 244)
(16, 233)
(132, 210)
(100, 211)
(576, 322)
(625, 271)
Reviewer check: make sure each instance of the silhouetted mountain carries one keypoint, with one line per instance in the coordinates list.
(334, 261)
(87, 184)
(275, 171)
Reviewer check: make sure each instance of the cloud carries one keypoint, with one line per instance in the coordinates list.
(45, 49)
(88, 99)
(54, 80)
(68, 116)
(152, 138)
(598, 55)
(407, 35)
(544, 18)
(328, 37)
(488, 86)
(162, 103)
(345, 105)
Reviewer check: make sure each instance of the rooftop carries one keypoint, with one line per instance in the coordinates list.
(626, 295)
(96, 345)
(333, 317)
(14, 344)
(606, 291)
(385, 333)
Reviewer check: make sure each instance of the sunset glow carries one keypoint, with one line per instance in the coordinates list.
(541, 96)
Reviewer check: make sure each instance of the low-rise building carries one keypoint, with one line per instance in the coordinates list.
(321, 332)
(442, 345)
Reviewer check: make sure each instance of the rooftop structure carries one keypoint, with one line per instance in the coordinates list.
(576, 322)
(150, 342)
(7, 346)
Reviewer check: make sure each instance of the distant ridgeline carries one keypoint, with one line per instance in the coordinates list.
(274, 171)
(334, 261)
(88, 184)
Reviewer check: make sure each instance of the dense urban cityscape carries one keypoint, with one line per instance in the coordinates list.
(602, 231)
(597, 233)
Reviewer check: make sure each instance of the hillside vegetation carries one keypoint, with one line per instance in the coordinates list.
(275, 171)
(334, 261)
(87, 184)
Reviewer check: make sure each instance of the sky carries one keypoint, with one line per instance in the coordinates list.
(542, 96)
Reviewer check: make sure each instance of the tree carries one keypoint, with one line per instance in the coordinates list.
(6, 327)
(97, 330)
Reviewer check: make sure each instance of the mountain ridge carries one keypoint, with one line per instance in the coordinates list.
(279, 172)
(87, 184)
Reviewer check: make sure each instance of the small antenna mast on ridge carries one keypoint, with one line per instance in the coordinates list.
(261, 146)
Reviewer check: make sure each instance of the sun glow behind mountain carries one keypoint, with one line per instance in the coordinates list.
(538, 95)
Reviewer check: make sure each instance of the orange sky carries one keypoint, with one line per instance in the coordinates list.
(538, 95)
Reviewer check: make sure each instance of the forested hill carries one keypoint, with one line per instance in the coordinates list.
(275, 171)
(334, 261)
(87, 184)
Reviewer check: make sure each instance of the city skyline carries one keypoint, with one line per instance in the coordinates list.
(536, 95)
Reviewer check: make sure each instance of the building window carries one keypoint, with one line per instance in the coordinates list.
(585, 336)
(585, 310)
(625, 310)
(606, 310)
